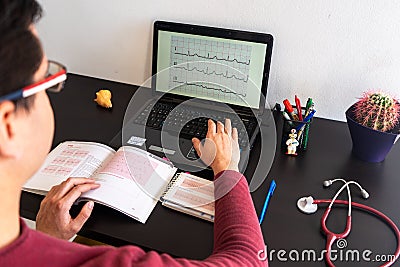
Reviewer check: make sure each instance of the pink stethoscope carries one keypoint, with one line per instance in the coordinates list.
(309, 205)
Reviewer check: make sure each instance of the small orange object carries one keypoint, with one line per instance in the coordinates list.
(103, 98)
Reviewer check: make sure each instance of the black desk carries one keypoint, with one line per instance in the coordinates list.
(285, 228)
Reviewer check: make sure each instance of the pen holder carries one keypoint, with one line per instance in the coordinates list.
(294, 142)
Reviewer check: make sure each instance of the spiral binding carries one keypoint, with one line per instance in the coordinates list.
(170, 184)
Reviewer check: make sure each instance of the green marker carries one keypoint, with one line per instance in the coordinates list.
(309, 105)
(307, 127)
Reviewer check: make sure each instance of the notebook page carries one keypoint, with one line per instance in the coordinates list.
(69, 159)
(132, 182)
(192, 192)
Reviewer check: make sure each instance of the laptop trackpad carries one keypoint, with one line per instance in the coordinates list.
(178, 150)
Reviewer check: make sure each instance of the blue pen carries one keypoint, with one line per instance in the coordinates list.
(306, 119)
(271, 189)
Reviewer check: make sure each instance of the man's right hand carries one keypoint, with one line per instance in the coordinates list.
(220, 149)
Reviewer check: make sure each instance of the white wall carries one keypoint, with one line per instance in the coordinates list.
(329, 50)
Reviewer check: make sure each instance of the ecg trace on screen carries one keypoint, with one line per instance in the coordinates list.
(209, 68)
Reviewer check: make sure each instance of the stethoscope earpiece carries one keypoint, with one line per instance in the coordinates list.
(327, 183)
(364, 193)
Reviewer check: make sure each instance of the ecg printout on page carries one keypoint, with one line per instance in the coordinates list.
(192, 195)
(141, 173)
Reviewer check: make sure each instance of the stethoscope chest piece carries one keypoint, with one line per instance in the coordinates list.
(306, 205)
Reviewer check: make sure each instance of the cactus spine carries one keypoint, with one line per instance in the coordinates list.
(378, 111)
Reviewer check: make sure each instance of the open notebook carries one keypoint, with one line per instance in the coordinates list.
(192, 195)
(132, 180)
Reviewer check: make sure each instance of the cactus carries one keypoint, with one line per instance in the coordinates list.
(378, 111)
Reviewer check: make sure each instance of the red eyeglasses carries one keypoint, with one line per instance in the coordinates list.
(54, 82)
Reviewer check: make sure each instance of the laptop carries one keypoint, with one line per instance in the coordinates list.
(199, 73)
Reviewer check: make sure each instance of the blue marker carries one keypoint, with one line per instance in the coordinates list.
(271, 189)
(306, 119)
(309, 116)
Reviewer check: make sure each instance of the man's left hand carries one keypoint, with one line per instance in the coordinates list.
(54, 218)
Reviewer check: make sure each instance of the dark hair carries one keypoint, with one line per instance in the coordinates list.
(21, 52)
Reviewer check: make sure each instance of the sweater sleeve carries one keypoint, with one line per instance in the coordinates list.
(237, 233)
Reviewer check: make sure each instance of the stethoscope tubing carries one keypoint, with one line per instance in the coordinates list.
(377, 213)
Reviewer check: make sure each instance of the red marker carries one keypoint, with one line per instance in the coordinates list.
(290, 110)
(298, 107)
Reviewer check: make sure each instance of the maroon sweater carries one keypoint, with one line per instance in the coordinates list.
(237, 240)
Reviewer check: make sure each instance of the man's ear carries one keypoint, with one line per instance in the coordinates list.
(8, 125)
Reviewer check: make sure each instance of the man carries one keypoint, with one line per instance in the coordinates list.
(26, 131)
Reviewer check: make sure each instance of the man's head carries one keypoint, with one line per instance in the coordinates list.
(20, 50)
(26, 125)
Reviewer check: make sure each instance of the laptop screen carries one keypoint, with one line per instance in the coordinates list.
(215, 64)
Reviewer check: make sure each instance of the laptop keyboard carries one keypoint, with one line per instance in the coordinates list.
(192, 122)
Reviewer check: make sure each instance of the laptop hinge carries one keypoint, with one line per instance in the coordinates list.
(170, 99)
(247, 112)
